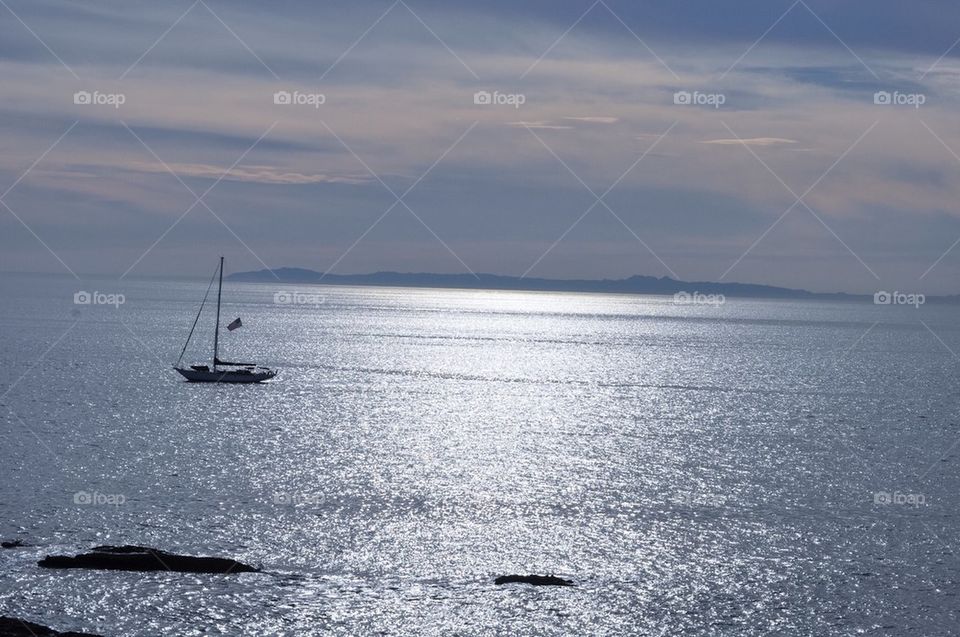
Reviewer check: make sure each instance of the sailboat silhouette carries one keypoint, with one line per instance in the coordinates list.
(222, 371)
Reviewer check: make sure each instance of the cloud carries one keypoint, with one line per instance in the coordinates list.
(540, 125)
(398, 101)
(753, 141)
(253, 174)
(595, 120)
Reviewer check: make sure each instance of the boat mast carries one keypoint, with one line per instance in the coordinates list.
(216, 332)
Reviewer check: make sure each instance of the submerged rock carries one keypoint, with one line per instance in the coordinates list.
(536, 580)
(13, 627)
(143, 558)
(12, 544)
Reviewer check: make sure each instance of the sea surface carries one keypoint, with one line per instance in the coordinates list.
(749, 468)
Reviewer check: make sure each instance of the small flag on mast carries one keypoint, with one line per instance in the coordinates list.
(235, 324)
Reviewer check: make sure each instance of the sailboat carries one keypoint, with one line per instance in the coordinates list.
(222, 371)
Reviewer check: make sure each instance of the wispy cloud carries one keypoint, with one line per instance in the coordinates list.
(595, 119)
(539, 125)
(752, 141)
(253, 174)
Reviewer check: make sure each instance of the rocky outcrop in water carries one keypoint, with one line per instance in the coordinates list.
(143, 558)
(12, 544)
(535, 580)
(13, 627)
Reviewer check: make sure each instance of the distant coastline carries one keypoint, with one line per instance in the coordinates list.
(631, 285)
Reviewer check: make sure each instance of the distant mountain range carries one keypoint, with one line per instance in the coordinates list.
(631, 285)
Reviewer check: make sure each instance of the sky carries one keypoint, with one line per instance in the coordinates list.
(806, 143)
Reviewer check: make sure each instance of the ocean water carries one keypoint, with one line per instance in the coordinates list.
(751, 468)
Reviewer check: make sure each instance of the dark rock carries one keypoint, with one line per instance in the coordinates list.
(536, 580)
(143, 558)
(13, 627)
(12, 544)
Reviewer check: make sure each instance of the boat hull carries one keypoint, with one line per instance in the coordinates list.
(226, 376)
